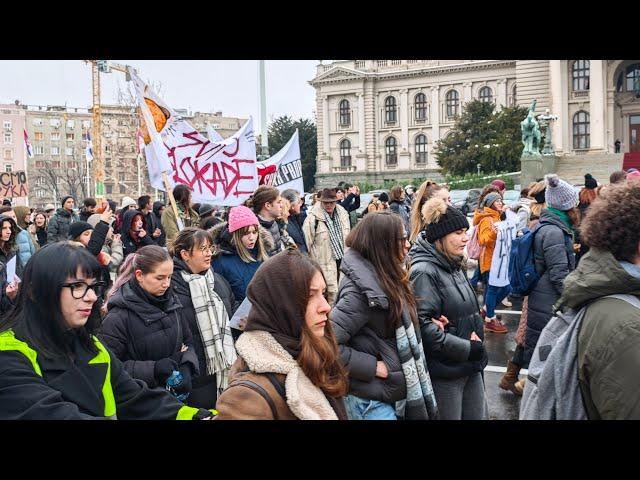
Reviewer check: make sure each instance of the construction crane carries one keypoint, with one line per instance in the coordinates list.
(97, 67)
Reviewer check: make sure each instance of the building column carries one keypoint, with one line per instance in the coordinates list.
(501, 93)
(467, 95)
(325, 125)
(404, 118)
(596, 104)
(435, 123)
(610, 122)
(361, 128)
(558, 81)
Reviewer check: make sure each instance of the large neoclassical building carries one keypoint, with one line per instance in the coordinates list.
(379, 119)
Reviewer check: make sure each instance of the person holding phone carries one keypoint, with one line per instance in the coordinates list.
(134, 232)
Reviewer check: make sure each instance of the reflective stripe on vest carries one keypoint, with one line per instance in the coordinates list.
(107, 389)
(8, 342)
(186, 413)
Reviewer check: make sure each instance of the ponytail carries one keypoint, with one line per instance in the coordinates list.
(126, 272)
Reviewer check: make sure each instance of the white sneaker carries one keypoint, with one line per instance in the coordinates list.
(507, 303)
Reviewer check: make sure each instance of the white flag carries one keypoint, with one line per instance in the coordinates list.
(89, 148)
(213, 135)
(220, 173)
(284, 169)
(499, 271)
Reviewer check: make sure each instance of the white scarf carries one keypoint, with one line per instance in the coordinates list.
(212, 319)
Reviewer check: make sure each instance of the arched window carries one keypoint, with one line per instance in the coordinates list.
(633, 77)
(390, 110)
(391, 150)
(345, 153)
(421, 149)
(486, 95)
(581, 130)
(420, 104)
(345, 113)
(580, 75)
(453, 104)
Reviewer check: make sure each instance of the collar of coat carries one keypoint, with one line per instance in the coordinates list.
(364, 275)
(263, 354)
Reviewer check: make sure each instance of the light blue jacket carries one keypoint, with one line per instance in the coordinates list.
(26, 248)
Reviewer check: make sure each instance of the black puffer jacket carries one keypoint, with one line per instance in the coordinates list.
(360, 319)
(401, 209)
(129, 246)
(58, 229)
(162, 239)
(183, 293)
(443, 289)
(294, 229)
(554, 257)
(140, 334)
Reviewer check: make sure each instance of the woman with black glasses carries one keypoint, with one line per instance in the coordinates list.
(145, 327)
(52, 367)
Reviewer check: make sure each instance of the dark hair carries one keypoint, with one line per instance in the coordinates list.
(143, 201)
(396, 193)
(9, 245)
(188, 239)
(486, 191)
(617, 177)
(145, 259)
(379, 239)
(587, 196)
(261, 196)
(612, 222)
(37, 315)
(182, 195)
(5, 209)
(90, 202)
(210, 222)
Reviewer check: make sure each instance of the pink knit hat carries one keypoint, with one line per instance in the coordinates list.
(240, 217)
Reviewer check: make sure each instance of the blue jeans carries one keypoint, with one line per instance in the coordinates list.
(363, 409)
(476, 277)
(494, 296)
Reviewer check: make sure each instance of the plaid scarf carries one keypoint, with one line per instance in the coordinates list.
(335, 234)
(212, 319)
(420, 403)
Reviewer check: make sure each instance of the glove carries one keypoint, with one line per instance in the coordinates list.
(476, 352)
(163, 369)
(185, 386)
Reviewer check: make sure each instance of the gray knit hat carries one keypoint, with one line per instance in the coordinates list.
(559, 194)
(490, 199)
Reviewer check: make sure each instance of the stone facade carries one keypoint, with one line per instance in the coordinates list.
(592, 99)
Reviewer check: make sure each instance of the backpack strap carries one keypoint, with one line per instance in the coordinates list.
(277, 385)
(263, 393)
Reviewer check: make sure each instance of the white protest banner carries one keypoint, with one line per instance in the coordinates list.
(220, 173)
(284, 169)
(507, 230)
(213, 135)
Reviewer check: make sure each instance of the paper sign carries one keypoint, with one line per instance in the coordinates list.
(241, 312)
(11, 269)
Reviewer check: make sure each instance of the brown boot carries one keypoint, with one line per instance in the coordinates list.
(509, 379)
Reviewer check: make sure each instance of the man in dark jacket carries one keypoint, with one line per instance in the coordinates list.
(296, 219)
(609, 338)
(88, 209)
(153, 224)
(158, 208)
(59, 224)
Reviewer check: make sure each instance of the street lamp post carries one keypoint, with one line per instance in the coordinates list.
(479, 167)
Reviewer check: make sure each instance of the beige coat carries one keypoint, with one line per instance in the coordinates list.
(170, 224)
(319, 244)
(259, 353)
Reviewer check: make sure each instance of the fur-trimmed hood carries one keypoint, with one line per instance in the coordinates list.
(222, 238)
(263, 354)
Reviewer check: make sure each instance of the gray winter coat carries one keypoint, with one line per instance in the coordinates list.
(360, 320)
(443, 289)
(554, 258)
(58, 228)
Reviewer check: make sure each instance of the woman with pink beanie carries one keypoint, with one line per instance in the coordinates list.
(242, 249)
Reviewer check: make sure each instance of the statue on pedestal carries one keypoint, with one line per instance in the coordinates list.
(531, 132)
(545, 124)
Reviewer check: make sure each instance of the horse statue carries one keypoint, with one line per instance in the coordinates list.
(531, 132)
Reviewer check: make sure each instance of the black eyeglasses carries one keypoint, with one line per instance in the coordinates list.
(80, 289)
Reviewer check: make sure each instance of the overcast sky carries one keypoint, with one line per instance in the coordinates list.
(199, 85)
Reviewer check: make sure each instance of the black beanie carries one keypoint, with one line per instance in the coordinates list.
(77, 228)
(590, 182)
(451, 221)
(65, 198)
(383, 197)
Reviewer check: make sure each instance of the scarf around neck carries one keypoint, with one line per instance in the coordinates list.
(335, 234)
(162, 302)
(212, 319)
(563, 216)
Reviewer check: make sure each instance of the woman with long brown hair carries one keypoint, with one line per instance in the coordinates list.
(288, 365)
(376, 325)
(426, 191)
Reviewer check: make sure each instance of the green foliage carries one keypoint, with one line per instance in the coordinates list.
(482, 136)
(280, 132)
(473, 180)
